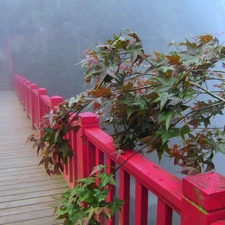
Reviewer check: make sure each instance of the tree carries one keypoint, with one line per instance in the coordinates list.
(150, 100)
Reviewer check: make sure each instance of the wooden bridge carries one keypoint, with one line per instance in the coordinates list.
(26, 192)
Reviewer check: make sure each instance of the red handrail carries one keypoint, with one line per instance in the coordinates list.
(199, 199)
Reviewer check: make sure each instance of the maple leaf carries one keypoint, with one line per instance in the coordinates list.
(205, 38)
(159, 56)
(174, 59)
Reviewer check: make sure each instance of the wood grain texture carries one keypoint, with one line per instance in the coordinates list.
(26, 192)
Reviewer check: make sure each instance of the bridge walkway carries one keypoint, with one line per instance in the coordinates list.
(26, 192)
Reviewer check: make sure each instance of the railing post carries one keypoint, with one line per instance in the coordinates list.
(23, 83)
(41, 91)
(86, 120)
(56, 100)
(32, 105)
(26, 93)
(15, 85)
(21, 90)
(203, 199)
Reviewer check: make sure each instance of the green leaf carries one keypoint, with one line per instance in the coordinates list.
(220, 148)
(115, 205)
(63, 216)
(106, 179)
(135, 53)
(100, 195)
(163, 98)
(49, 136)
(193, 48)
(127, 99)
(166, 69)
(50, 130)
(165, 138)
(121, 42)
(87, 181)
(159, 153)
(112, 72)
(87, 196)
(167, 118)
(184, 130)
(130, 111)
(92, 71)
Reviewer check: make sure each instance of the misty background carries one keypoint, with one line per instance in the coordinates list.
(47, 37)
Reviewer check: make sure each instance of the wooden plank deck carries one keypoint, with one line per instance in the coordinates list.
(26, 192)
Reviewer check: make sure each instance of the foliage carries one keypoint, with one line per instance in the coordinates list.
(87, 202)
(152, 102)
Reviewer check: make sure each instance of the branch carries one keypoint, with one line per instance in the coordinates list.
(197, 110)
(215, 78)
(207, 91)
(134, 153)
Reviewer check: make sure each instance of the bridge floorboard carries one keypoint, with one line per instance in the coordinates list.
(26, 192)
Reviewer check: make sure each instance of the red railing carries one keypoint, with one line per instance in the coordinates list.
(199, 200)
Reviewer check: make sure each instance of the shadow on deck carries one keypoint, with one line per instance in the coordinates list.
(26, 192)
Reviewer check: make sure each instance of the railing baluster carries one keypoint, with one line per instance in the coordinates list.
(111, 169)
(66, 166)
(27, 83)
(141, 204)
(99, 157)
(34, 104)
(124, 190)
(28, 98)
(70, 163)
(164, 213)
(23, 83)
(74, 160)
(91, 157)
(41, 112)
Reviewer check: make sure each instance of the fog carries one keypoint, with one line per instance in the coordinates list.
(48, 36)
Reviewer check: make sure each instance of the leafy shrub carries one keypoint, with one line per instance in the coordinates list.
(87, 202)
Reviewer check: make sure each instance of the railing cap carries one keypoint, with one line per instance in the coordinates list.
(56, 100)
(33, 86)
(206, 190)
(88, 118)
(56, 97)
(42, 91)
(221, 222)
(28, 82)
